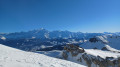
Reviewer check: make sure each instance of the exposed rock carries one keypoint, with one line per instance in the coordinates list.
(118, 62)
(89, 59)
(94, 48)
(93, 40)
(104, 48)
(80, 59)
(64, 54)
(74, 49)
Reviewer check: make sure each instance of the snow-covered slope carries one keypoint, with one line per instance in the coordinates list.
(98, 55)
(111, 42)
(10, 57)
(91, 57)
(102, 54)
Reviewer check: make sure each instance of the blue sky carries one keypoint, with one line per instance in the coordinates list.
(72, 15)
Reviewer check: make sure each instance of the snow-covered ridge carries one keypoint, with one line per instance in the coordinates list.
(34, 39)
(43, 33)
(91, 57)
(102, 54)
(10, 57)
(111, 42)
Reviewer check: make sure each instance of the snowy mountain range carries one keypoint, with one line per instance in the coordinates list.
(82, 49)
(45, 34)
(34, 40)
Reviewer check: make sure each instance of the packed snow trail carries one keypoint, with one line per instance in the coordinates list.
(10, 57)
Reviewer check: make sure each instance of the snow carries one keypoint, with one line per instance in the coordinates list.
(11, 57)
(90, 45)
(114, 42)
(110, 40)
(53, 53)
(43, 46)
(92, 53)
(33, 37)
(111, 49)
(3, 38)
(102, 38)
(101, 53)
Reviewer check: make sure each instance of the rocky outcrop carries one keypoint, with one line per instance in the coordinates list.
(93, 40)
(89, 59)
(73, 49)
(118, 62)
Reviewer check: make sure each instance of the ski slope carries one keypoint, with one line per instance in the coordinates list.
(11, 57)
